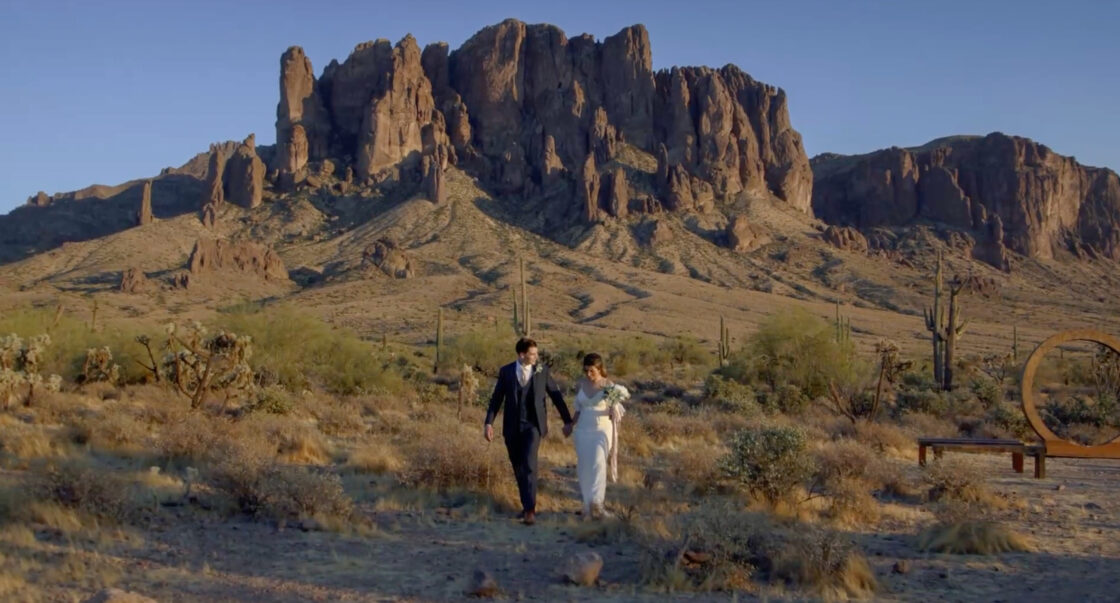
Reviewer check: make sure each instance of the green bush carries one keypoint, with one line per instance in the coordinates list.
(987, 391)
(729, 395)
(1010, 417)
(922, 401)
(770, 462)
(71, 338)
(302, 351)
(794, 348)
(487, 348)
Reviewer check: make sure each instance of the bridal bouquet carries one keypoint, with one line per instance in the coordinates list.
(615, 396)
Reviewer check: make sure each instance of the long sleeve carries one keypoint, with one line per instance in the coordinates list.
(496, 399)
(557, 399)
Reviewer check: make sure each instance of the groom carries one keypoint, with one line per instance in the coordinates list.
(523, 385)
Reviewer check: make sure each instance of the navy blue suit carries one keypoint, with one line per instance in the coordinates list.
(524, 422)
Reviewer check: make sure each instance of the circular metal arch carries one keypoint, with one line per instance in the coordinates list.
(1056, 446)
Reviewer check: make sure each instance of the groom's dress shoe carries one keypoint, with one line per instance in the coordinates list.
(529, 518)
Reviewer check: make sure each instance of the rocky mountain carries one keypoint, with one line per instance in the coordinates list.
(1009, 193)
(544, 119)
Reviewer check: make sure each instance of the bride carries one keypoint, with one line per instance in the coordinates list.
(598, 412)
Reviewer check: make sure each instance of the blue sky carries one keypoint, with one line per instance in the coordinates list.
(109, 91)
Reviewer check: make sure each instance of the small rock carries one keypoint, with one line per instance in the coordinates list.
(310, 525)
(1093, 506)
(584, 568)
(901, 566)
(697, 557)
(116, 595)
(1060, 487)
(483, 584)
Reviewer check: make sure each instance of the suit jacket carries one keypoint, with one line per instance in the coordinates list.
(509, 390)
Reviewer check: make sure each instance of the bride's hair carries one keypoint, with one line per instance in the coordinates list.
(596, 361)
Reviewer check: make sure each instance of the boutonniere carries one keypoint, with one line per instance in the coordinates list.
(538, 369)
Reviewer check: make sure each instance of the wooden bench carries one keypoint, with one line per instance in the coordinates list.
(1015, 447)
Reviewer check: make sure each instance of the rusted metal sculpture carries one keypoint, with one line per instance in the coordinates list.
(1054, 445)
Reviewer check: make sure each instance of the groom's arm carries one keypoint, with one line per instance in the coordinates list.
(557, 399)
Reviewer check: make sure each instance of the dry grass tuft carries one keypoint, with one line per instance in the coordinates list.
(375, 457)
(976, 537)
(446, 455)
(695, 469)
(956, 482)
(25, 442)
(294, 441)
(720, 548)
(340, 419)
(610, 530)
(87, 488)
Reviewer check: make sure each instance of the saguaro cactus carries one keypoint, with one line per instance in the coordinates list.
(522, 320)
(439, 340)
(843, 325)
(944, 329)
(724, 342)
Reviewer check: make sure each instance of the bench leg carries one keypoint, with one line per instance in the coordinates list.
(922, 456)
(1040, 466)
(1017, 461)
(937, 452)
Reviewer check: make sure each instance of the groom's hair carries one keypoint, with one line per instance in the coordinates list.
(524, 344)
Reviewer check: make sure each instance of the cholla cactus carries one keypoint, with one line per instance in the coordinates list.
(99, 366)
(198, 364)
(468, 385)
(20, 362)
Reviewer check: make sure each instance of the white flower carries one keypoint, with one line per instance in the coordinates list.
(538, 369)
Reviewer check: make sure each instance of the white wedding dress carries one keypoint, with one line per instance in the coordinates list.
(592, 434)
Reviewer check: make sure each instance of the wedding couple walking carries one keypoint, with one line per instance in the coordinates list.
(522, 387)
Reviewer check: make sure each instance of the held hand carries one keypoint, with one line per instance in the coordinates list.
(488, 433)
(567, 429)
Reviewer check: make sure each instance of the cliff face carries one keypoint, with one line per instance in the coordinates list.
(527, 110)
(1014, 192)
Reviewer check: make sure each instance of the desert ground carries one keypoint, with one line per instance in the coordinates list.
(327, 460)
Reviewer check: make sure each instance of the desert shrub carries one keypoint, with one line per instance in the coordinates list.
(961, 486)
(729, 395)
(846, 472)
(71, 337)
(987, 391)
(488, 348)
(193, 438)
(975, 537)
(696, 468)
(922, 401)
(287, 439)
(725, 549)
(24, 442)
(444, 455)
(118, 431)
(793, 348)
(263, 488)
(788, 398)
(1058, 413)
(375, 457)
(1010, 418)
(272, 400)
(770, 462)
(663, 427)
(82, 486)
(339, 418)
(885, 438)
(822, 561)
(302, 351)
